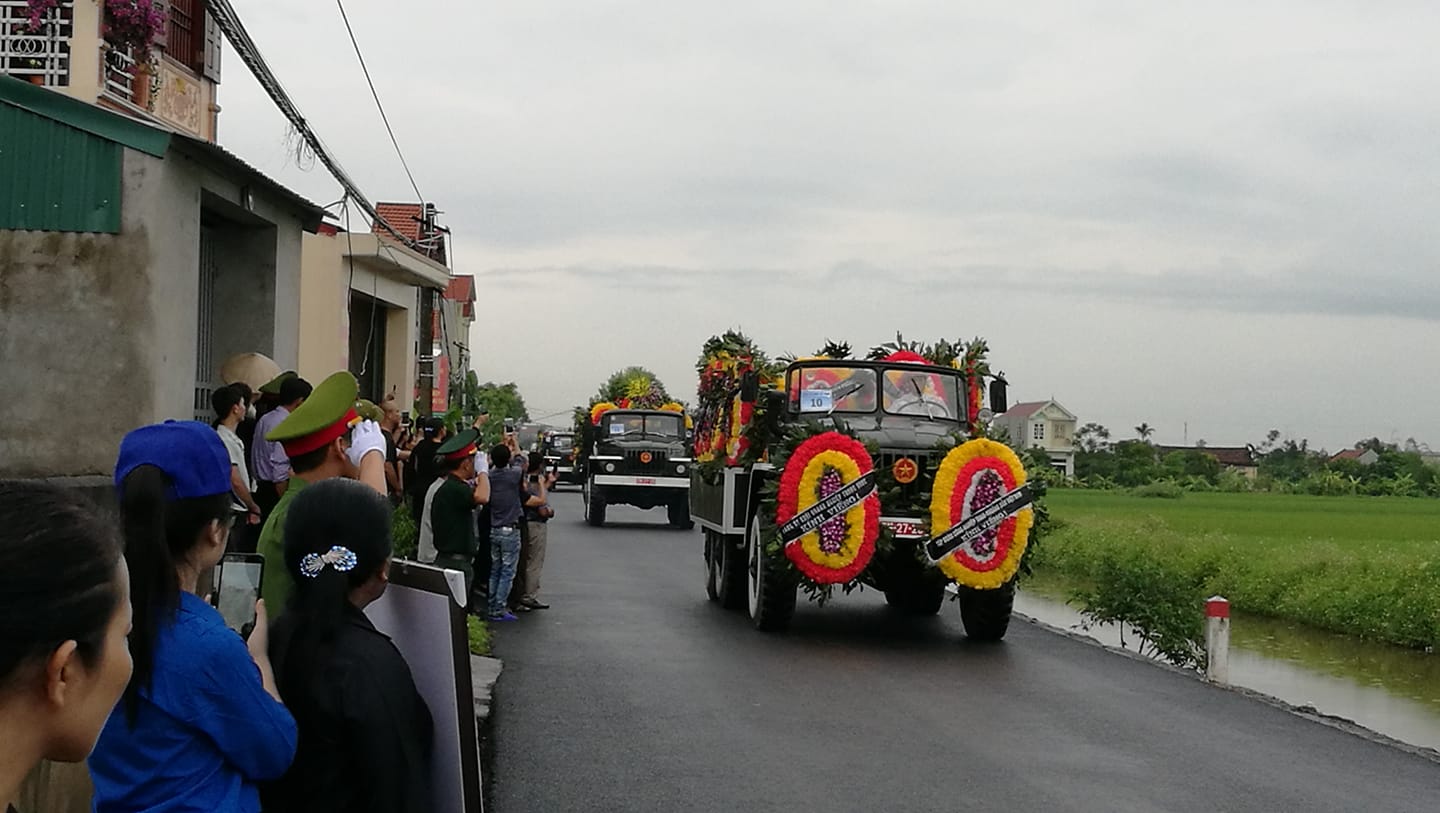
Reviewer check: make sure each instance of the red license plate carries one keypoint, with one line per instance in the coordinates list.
(645, 481)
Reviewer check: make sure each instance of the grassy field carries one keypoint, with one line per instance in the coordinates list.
(1367, 566)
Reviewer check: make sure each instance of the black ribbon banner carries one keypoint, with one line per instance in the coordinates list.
(827, 509)
(986, 519)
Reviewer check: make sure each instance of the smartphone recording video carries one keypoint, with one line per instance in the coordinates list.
(237, 588)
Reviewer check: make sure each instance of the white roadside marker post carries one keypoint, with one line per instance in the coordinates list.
(1217, 640)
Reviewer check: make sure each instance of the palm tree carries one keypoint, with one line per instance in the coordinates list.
(1145, 430)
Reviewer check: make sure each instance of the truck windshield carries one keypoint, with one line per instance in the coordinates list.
(919, 392)
(832, 389)
(561, 443)
(631, 426)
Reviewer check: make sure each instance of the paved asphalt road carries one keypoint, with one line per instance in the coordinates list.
(635, 693)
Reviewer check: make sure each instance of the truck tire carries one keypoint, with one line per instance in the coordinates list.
(594, 506)
(771, 591)
(986, 613)
(679, 514)
(730, 572)
(712, 564)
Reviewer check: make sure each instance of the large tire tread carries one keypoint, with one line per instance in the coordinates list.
(986, 613)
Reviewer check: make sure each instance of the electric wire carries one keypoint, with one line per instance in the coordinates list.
(378, 106)
(245, 48)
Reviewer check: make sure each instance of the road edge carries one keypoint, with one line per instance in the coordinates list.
(1307, 711)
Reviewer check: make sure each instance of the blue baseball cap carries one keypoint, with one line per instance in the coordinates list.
(189, 452)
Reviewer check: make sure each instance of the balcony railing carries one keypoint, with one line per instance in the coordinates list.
(41, 55)
(120, 76)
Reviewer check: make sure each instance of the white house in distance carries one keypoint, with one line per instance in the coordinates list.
(1043, 425)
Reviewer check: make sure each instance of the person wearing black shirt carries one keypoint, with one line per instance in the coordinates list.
(424, 467)
(366, 735)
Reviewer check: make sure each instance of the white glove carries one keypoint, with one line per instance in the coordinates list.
(365, 438)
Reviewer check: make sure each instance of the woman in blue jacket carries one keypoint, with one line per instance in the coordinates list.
(201, 723)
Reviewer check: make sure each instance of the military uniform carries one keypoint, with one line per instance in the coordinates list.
(452, 511)
(327, 414)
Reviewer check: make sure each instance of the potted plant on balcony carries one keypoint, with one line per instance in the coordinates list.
(133, 25)
(33, 64)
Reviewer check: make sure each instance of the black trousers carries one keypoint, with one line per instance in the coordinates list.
(266, 496)
(482, 550)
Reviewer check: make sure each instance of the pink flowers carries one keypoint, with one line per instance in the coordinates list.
(37, 9)
(134, 24)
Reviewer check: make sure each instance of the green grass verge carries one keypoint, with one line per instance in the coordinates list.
(1362, 566)
(479, 635)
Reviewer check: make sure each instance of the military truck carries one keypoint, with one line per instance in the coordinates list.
(558, 449)
(635, 457)
(904, 414)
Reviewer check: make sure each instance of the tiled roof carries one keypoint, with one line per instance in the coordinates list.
(1349, 454)
(1226, 455)
(403, 217)
(1024, 410)
(461, 289)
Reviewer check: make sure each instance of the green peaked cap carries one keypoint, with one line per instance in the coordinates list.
(326, 415)
(460, 442)
(272, 387)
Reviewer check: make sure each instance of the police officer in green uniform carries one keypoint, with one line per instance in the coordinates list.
(324, 437)
(452, 508)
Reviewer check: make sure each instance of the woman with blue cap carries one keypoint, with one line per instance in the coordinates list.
(201, 723)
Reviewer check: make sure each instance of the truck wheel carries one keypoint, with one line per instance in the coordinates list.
(986, 613)
(772, 592)
(730, 572)
(679, 512)
(594, 506)
(712, 565)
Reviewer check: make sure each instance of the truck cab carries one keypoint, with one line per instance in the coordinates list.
(911, 415)
(558, 449)
(636, 457)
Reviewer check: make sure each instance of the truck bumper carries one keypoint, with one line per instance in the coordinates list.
(642, 481)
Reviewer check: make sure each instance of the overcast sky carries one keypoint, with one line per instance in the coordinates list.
(1213, 222)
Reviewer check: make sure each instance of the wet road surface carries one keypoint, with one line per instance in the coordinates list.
(635, 693)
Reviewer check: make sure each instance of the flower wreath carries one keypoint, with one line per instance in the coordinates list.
(738, 441)
(840, 549)
(599, 410)
(972, 476)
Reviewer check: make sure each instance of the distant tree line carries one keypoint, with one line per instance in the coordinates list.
(1285, 466)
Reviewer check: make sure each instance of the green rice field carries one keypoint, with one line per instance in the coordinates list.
(1365, 566)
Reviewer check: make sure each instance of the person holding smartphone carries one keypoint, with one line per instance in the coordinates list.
(201, 723)
(538, 483)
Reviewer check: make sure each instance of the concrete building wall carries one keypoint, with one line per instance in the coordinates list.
(98, 332)
(324, 308)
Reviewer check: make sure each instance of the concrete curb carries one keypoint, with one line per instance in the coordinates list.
(484, 671)
(1307, 711)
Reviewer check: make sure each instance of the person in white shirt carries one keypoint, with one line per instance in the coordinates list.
(230, 408)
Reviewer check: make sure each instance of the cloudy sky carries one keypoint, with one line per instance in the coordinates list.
(1216, 222)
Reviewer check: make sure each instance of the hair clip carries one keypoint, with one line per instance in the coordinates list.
(342, 559)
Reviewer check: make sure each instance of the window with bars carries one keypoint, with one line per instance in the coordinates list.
(1038, 432)
(180, 30)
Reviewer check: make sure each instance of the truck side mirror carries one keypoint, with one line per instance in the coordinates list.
(999, 402)
(775, 406)
(749, 386)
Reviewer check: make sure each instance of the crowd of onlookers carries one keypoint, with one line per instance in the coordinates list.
(110, 647)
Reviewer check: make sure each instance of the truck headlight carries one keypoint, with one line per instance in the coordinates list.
(610, 468)
(679, 468)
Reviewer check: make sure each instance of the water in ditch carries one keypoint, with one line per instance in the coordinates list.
(1387, 689)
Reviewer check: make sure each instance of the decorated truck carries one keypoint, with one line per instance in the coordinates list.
(632, 449)
(558, 449)
(831, 472)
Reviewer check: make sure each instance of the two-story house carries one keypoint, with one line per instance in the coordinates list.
(164, 70)
(1043, 425)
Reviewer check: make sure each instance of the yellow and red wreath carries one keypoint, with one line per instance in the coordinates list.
(837, 551)
(972, 476)
(737, 441)
(598, 410)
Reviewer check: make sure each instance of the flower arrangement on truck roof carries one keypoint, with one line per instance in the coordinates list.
(631, 448)
(826, 470)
